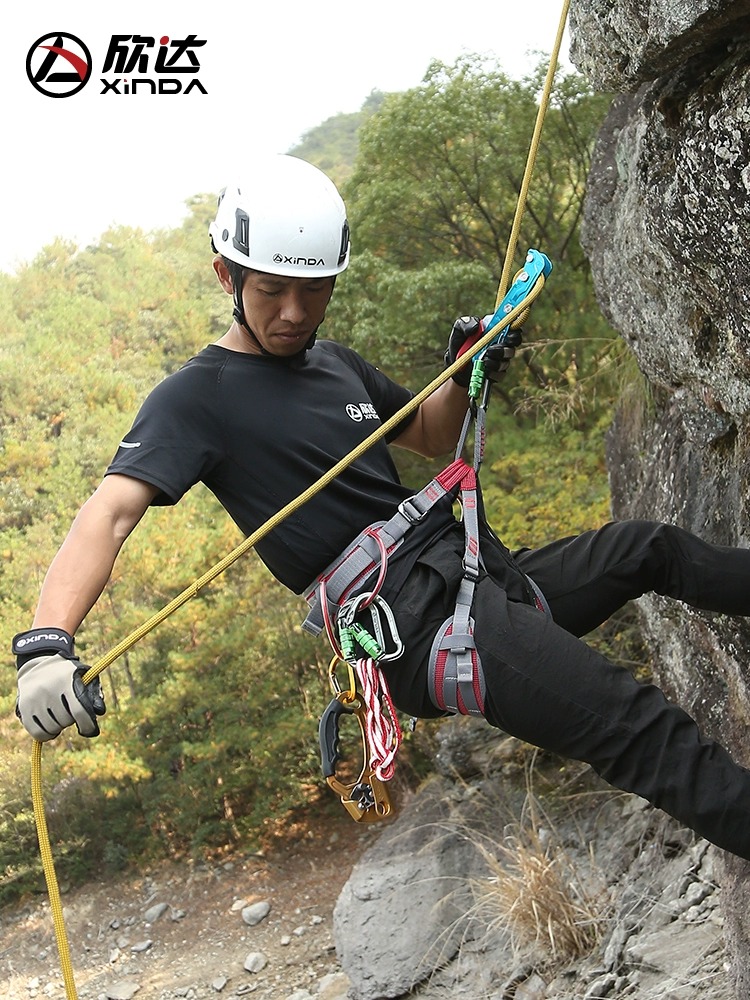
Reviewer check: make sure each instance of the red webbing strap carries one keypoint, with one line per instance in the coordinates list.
(364, 555)
(453, 474)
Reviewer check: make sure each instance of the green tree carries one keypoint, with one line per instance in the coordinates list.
(333, 144)
(431, 201)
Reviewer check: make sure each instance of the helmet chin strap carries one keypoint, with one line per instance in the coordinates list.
(238, 312)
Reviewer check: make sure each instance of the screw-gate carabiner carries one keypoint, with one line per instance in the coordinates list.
(383, 643)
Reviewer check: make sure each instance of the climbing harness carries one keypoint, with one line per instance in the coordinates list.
(339, 596)
(347, 699)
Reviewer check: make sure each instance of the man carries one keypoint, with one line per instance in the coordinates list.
(266, 410)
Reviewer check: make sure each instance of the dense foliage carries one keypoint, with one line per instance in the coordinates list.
(210, 739)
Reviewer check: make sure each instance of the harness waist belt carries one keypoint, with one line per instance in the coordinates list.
(348, 574)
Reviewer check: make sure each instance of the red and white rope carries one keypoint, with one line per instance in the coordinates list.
(382, 728)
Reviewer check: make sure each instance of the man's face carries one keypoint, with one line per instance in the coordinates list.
(284, 312)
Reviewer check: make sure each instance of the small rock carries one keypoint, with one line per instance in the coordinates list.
(153, 913)
(140, 946)
(696, 893)
(253, 914)
(256, 961)
(219, 983)
(601, 987)
(533, 988)
(238, 904)
(334, 986)
(124, 990)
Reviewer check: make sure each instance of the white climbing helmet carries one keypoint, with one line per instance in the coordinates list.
(285, 217)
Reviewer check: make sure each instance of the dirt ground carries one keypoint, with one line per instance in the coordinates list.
(200, 943)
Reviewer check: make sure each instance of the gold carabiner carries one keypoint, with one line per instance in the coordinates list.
(349, 695)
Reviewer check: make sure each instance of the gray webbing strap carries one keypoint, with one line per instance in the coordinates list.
(455, 676)
(539, 599)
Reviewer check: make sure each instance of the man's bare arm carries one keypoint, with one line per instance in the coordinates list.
(80, 570)
(436, 426)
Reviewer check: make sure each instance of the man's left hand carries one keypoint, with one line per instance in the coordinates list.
(465, 333)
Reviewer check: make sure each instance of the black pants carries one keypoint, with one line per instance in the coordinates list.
(547, 687)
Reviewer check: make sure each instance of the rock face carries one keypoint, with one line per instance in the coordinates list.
(667, 231)
(398, 918)
(620, 46)
(438, 908)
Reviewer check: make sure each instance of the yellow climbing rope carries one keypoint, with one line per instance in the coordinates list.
(516, 316)
(536, 136)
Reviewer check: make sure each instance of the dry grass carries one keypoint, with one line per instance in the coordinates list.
(536, 895)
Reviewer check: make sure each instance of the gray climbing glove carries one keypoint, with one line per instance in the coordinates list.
(465, 333)
(51, 692)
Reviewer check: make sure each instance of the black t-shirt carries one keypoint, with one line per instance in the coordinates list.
(258, 430)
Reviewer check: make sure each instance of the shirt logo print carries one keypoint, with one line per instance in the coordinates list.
(361, 411)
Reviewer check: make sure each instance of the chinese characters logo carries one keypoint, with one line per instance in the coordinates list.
(134, 64)
(175, 59)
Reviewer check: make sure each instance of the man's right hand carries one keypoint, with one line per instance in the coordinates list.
(51, 692)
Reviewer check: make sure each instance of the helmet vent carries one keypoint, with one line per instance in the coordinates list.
(344, 242)
(241, 239)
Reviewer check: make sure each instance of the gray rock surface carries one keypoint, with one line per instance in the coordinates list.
(619, 45)
(667, 230)
(399, 917)
(403, 930)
